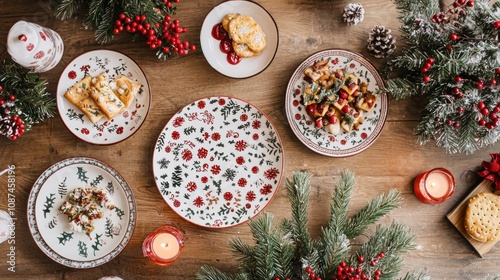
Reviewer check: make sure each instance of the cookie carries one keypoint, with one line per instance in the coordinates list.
(226, 19)
(482, 217)
(257, 39)
(241, 27)
(242, 50)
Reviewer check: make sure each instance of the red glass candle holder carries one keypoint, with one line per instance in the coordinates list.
(434, 186)
(164, 245)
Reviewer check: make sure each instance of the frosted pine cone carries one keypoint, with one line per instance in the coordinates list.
(381, 43)
(353, 14)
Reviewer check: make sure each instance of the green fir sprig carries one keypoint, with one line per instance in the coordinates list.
(288, 252)
(453, 59)
(24, 100)
(150, 19)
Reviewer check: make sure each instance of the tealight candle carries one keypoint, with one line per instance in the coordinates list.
(434, 186)
(164, 245)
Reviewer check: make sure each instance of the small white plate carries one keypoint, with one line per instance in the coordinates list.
(122, 126)
(50, 229)
(345, 143)
(248, 66)
(218, 162)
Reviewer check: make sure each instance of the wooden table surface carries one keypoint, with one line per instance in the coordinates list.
(305, 27)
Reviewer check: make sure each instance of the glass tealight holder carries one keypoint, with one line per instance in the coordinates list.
(164, 245)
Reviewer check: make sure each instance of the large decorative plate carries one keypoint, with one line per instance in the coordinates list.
(248, 66)
(105, 131)
(345, 143)
(50, 229)
(218, 162)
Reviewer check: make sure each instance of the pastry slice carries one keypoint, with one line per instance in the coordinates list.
(79, 91)
(126, 89)
(105, 98)
(90, 109)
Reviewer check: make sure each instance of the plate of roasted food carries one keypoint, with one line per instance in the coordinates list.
(239, 38)
(335, 103)
(103, 97)
(81, 212)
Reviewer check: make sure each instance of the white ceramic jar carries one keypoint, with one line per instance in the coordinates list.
(34, 47)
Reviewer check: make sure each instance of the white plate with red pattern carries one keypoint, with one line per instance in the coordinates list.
(344, 143)
(247, 67)
(122, 126)
(218, 162)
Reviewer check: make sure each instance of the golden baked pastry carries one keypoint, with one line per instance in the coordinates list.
(242, 50)
(79, 91)
(90, 109)
(104, 97)
(482, 217)
(257, 39)
(241, 27)
(247, 37)
(126, 89)
(226, 19)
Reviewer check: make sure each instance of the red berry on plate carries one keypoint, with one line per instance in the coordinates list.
(345, 109)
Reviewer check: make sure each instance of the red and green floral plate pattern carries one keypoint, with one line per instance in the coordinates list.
(345, 143)
(122, 126)
(218, 162)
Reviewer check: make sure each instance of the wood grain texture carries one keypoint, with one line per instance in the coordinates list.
(305, 26)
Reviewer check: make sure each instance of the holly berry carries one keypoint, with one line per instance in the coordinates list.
(454, 37)
(361, 259)
(426, 79)
(481, 122)
(12, 97)
(481, 105)
(430, 60)
(480, 85)
(485, 111)
(460, 109)
(496, 24)
(458, 79)
(449, 122)
(470, 3)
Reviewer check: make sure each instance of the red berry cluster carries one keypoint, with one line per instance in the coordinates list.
(458, 10)
(490, 115)
(13, 124)
(425, 68)
(346, 272)
(163, 36)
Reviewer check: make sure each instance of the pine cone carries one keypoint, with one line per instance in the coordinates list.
(7, 126)
(381, 43)
(353, 14)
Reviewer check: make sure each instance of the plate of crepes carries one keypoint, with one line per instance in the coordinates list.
(218, 162)
(239, 38)
(103, 97)
(81, 212)
(335, 103)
